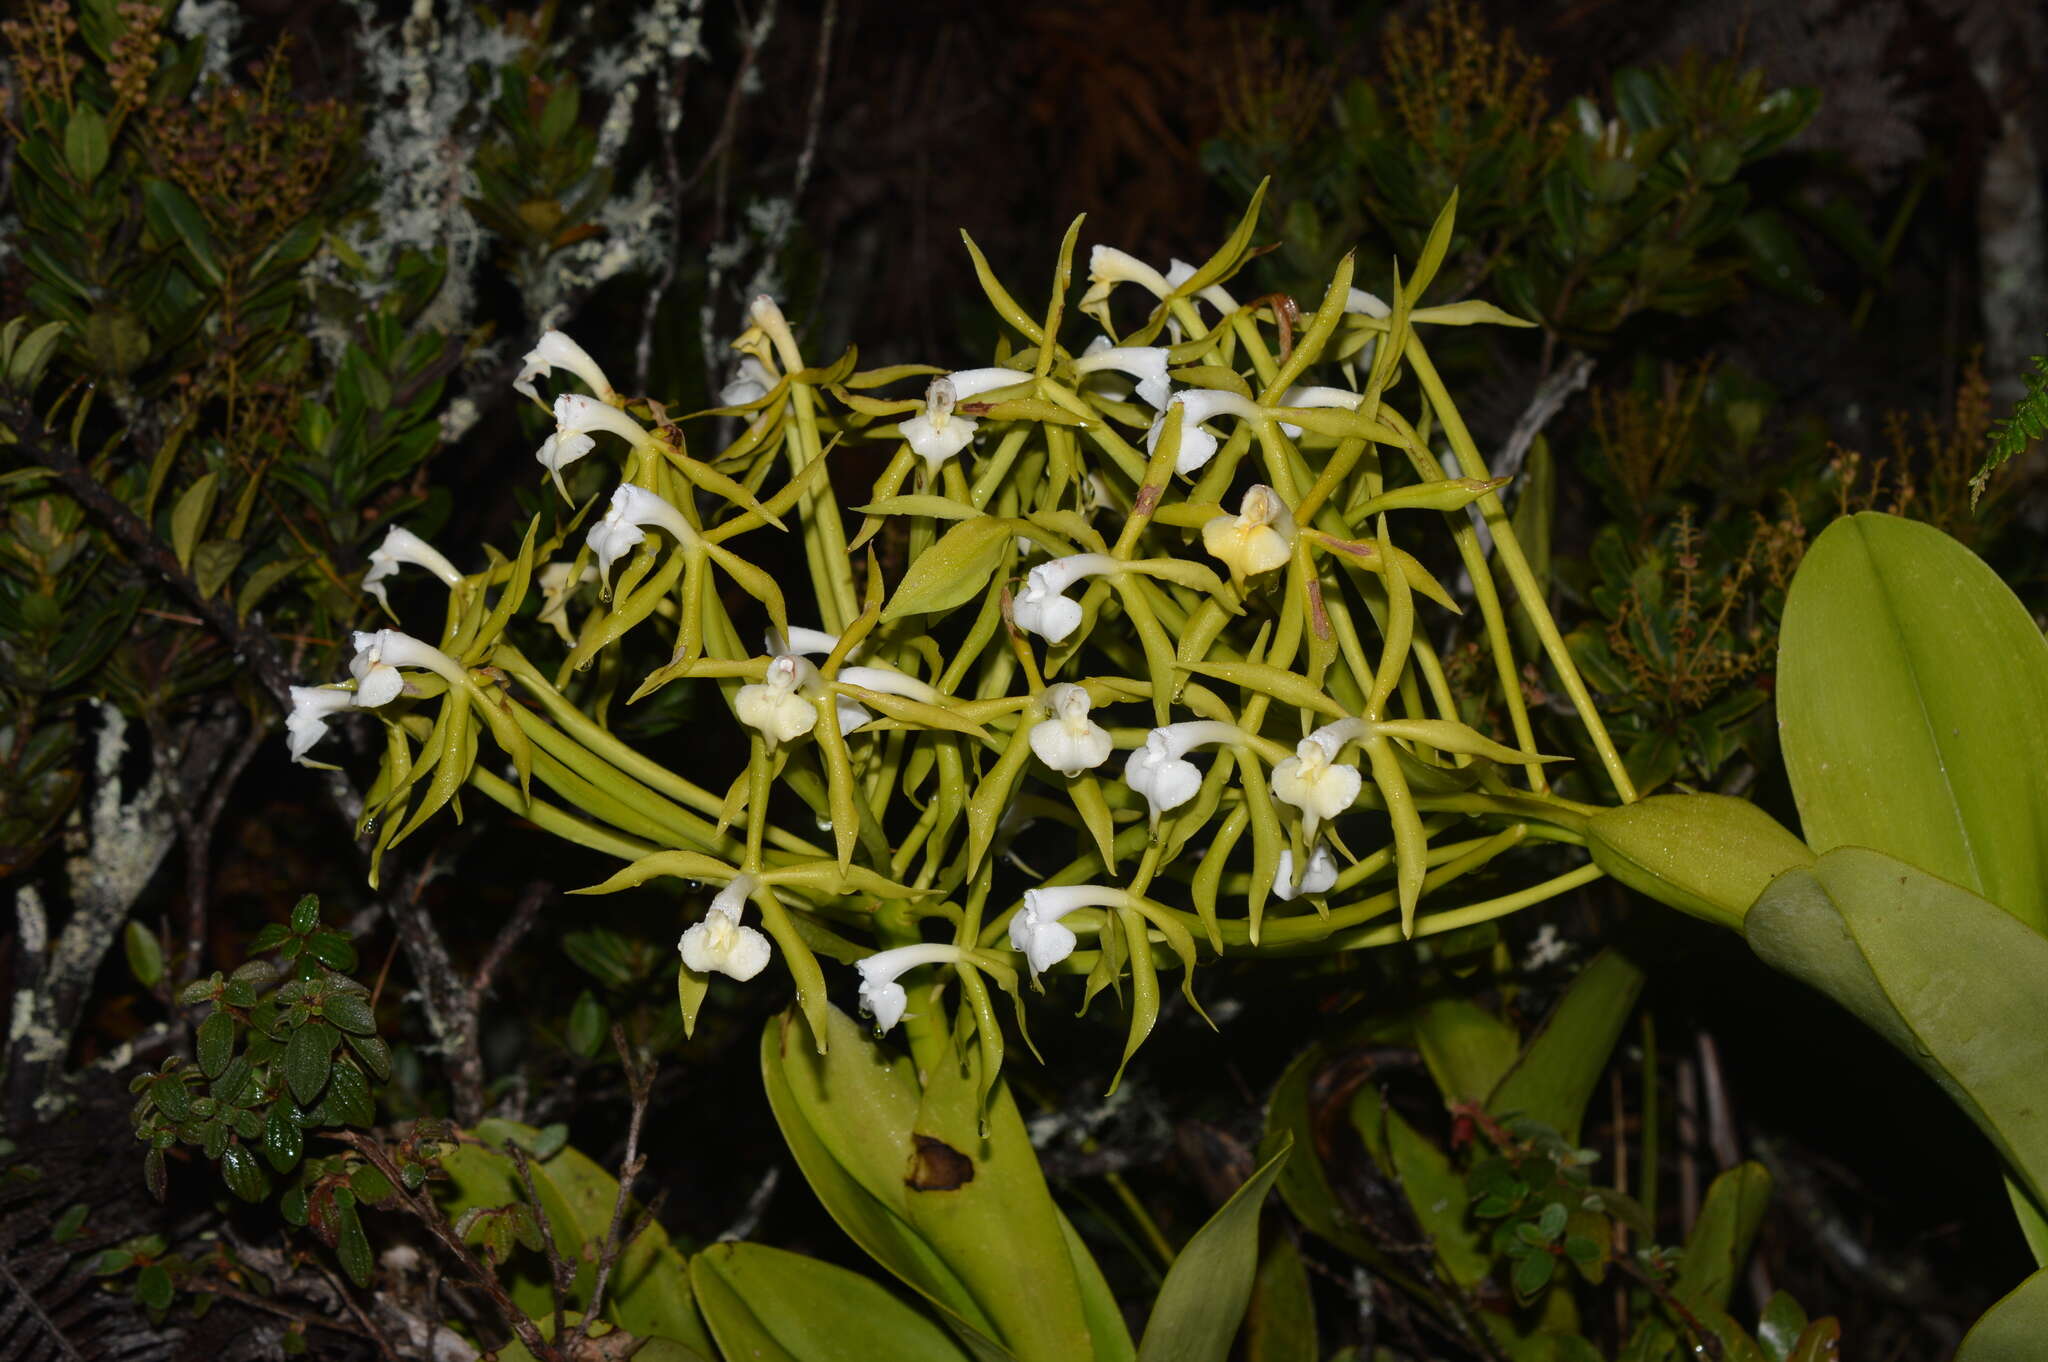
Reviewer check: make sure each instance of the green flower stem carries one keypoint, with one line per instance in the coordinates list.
(824, 534)
(757, 803)
(561, 823)
(1309, 347)
(1451, 919)
(1519, 572)
(626, 813)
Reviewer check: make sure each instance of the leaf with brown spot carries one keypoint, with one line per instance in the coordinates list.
(936, 1166)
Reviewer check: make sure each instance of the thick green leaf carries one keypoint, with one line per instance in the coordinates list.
(2033, 1224)
(1205, 1292)
(1555, 1077)
(765, 1303)
(1913, 703)
(2012, 1330)
(953, 570)
(1718, 1245)
(1280, 1323)
(307, 1056)
(980, 1200)
(1704, 854)
(1467, 1048)
(243, 1175)
(216, 1043)
(1959, 986)
(847, 1125)
(1304, 1183)
(351, 1245)
(145, 956)
(1106, 1327)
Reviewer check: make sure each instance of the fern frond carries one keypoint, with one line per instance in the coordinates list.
(2013, 436)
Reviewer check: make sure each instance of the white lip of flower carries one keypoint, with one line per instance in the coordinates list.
(888, 681)
(555, 350)
(1312, 781)
(312, 707)
(1317, 397)
(1198, 446)
(751, 382)
(378, 657)
(575, 417)
(1366, 304)
(1159, 770)
(881, 997)
(1036, 931)
(776, 706)
(1146, 363)
(1041, 607)
(720, 942)
(808, 642)
(1259, 538)
(403, 546)
(1108, 267)
(1069, 742)
(555, 590)
(1319, 878)
(1178, 272)
(632, 508)
(936, 434)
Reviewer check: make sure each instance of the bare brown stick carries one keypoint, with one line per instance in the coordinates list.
(428, 1214)
(369, 1325)
(640, 1081)
(561, 1272)
(209, 1286)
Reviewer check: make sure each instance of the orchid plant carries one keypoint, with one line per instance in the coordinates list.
(1203, 536)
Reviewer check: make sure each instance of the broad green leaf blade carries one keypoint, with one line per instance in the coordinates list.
(1204, 1296)
(1913, 701)
(765, 1303)
(854, 1152)
(2033, 1224)
(1554, 1078)
(1304, 1184)
(1280, 1324)
(1704, 854)
(954, 570)
(1959, 986)
(2012, 1330)
(981, 1202)
(1436, 1192)
(1467, 1048)
(1717, 1247)
(1106, 1327)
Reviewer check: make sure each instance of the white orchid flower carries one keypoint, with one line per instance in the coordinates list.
(576, 416)
(1178, 272)
(1069, 742)
(1036, 931)
(624, 525)
(1259, 538)
(805, 642)
(936, 433)
(379, 656)
(1312, 781)
(554, 350)
(312, 707)
(776, 706)
(1366, 304)
(1160, 770)
(881, 997)
(1146, 363)
(1108, 267)
(1198, 446)
(752, 381)
(720, 942)
(556, 588)
(1042, 607)
(1319, 878)
(402, 546)
(1341, 398)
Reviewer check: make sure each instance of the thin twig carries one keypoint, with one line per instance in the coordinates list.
(561, 1272)
(515, 927)
(641, 1081)
(312, 1318)
(362, 1317)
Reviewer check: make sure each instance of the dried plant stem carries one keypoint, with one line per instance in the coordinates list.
(640, 1083)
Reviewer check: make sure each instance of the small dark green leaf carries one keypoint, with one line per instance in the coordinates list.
(189, 516)
(216, 1044)
(1551, 1223)
(269, 938)
(238, 993)
(233, 1081)
(113, 1261)
(292, 1205)
(306, 915)
(282, 1141)
(370, 1185)
(213, 1138)
(243, 1175)
(1532, 1274)
(350, 1244)
(350, 1011)
(213, 563)
(172, 1098)
(153, 1287)
(145, 956)
(548, 1141)
(348, 1096)
(588, 1023)
(199, 991)
(333, 950)
(66, 1228)
(374, 1053)
(307, 1057)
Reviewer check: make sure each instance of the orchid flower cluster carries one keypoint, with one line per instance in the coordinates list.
(1127, 659)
